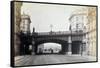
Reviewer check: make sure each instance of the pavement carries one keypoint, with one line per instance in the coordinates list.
(50, 59)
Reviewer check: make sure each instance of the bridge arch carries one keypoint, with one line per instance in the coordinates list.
(49, 48)
(64, 44)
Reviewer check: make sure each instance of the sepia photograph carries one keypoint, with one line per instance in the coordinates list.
(52, 33)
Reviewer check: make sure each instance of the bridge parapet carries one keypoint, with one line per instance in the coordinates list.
(54, 33)
(64, 35)
(60, 33)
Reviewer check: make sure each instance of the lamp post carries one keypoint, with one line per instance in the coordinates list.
(51, 26)
(33, 47)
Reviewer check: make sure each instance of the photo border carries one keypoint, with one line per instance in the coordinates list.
(12, 32)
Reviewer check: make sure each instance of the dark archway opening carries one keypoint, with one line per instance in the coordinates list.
(25, 42)
(76, 47)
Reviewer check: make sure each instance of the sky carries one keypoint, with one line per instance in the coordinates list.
(44, 15)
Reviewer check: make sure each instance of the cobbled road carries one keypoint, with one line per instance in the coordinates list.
(50, 59)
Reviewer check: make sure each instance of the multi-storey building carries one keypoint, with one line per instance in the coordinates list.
(86, 18)
(91, 31)
(17, 20)
(25, 35)
(77, 21)
(25, 23)
(77, 24)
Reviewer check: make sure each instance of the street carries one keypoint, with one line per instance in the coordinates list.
(50, 59)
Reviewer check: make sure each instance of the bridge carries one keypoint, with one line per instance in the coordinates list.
(71, 42)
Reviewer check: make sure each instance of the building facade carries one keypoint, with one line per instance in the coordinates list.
(17, 20)
(25, 23)
(25, 35)
(91, 31)
(86, 18)
(40, 48)
(78, 22)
